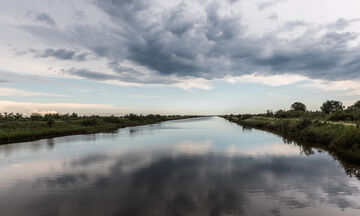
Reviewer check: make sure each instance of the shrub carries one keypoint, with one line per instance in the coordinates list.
(90, 121)
(112, 119)
(244, 116)
(280, 114)
(36, 117)
(50, 122)
(302, 124)
(342, 116)
(132, 117)
(350, 139)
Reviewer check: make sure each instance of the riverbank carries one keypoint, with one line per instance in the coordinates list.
(341, 140)
(20, 129)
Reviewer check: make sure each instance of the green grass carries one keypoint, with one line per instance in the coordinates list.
(27, 129)
(341, 140)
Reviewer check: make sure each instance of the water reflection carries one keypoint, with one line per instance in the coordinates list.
(190, 167)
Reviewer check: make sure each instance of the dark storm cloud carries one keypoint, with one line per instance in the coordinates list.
(149, 44)
(327, 57)
(62, 54)
(122, 74)
(45, 18)
(183, 43)
(155, 57)
(220, 28)
(178, 23)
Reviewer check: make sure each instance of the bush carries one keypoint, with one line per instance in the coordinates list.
(112, 119)
(36, 117)
(50, 122)
(244, 116)
(90, 121)
(280, 114)
(133, 117)
(302, 124)
(350, 139)
(342, 116)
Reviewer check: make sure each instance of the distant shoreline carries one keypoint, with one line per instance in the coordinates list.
(340, 140)
(26, 129)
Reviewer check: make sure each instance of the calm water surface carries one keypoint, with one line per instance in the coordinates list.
(203, 166)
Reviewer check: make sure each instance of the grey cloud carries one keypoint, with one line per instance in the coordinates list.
(158, 58)
(123, 74)
(177, 42)
(293, 24)
(59, 53)
(62, 54)
(81, 57)
(179, 22)
(274, 17)
(342, 23)
(45, 18)
(267, 4)
(221, 28)
(90, 74)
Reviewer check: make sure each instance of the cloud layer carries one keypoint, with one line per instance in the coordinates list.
(157, 42)
(28, 108)
(5, 92)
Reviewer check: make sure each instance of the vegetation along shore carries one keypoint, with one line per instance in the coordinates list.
(334, 128)
(17, 128)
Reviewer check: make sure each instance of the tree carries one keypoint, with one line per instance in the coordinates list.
(298, 106)
(280, 114)
(331, 106)
(357, 104)
(269, 113)
(36, 117)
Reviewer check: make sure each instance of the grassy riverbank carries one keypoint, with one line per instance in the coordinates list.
(16, 128)
(343, 140)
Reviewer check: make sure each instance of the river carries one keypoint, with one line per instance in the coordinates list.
(201, 166)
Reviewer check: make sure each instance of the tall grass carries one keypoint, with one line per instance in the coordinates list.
(16, 128)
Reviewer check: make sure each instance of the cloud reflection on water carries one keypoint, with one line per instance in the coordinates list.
(191, 175)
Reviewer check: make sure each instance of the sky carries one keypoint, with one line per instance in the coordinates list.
(178, 56)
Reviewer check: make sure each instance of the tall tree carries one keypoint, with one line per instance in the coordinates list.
(298, 106)
(331, 106)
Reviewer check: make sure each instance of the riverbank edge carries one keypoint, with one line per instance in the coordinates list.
(341, 141)
(105, 128)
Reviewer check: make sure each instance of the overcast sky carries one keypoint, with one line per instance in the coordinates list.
(181, 57)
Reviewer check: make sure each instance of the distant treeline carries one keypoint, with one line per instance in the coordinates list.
(17, 128)
(39, 117)
(330, 110)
